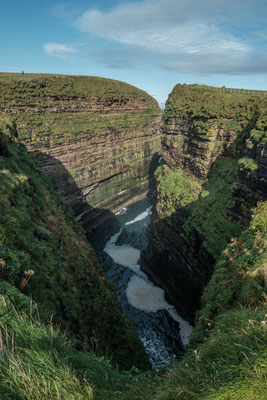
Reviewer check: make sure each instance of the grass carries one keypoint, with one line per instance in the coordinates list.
(247, 163)
(204, 102)
(32, 86)
(175, 189)
(230, 363)
(38, 362)
(226, 359)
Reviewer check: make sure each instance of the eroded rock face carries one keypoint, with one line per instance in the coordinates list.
(98, 139)
(214, 147)
(101, 172)
(178, 264)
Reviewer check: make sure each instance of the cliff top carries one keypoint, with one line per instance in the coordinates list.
(209, 101)
(15, 86)
(204, 105)
(63, 105)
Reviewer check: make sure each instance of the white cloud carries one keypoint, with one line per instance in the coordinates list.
(166, 26)
(179, 34)
(62, 51)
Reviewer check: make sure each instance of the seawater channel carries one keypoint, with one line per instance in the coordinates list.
(118, 243)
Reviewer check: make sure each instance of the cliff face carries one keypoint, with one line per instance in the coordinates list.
(214, 147)
(227, 353)
(96, 138)
(44, 254)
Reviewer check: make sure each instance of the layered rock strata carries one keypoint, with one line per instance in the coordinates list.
(45, 258)
(214, 149)
(96, 138)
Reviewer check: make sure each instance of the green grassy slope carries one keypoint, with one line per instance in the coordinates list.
(30, 86)
(38, 362)
(56, 128)
(226, 359)
(204, 101)
(41, 241)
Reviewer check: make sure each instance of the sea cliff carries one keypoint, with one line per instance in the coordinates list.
(214, 171)
(45, 257)
(97, 138)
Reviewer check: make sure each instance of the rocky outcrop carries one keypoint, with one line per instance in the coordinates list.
(96, 138)
(214, 148)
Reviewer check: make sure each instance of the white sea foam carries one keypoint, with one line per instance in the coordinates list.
(122, 211)
(185, 327)
(140, 217)
(141, 293)
(145, 296)
(124, 255)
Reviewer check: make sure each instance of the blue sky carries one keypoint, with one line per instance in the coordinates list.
(152, 44)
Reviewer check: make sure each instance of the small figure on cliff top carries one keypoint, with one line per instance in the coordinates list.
(22, 73)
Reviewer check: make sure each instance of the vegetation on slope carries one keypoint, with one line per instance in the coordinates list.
(226, 358)
(44, 252)
(206, 205)
(175, 189)
(21, 90)
(38, 362)
(209, 213)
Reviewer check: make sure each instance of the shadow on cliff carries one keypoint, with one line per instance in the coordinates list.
(183, 248)
(89, 216)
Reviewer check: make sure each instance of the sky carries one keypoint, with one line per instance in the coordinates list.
(152, 44)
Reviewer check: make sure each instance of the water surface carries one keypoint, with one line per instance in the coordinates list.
(118, 243)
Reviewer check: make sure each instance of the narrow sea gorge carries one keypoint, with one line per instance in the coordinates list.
(203, 242)
(118, 243)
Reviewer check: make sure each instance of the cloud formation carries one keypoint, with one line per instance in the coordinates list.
(63, 51)
(199, 36)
